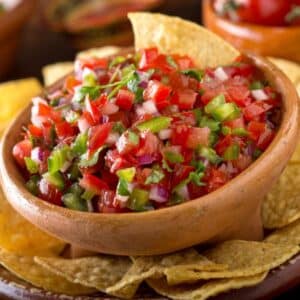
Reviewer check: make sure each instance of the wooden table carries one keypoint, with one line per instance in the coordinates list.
(40, 46)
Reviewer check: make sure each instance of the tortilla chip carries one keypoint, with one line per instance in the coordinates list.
(202, 291)
(296, 155)
(243, 258)
(174, 35)
(156, 266)
(25, 268)
(99, 52)
(282, 205)
(287, 235)
(19, 236)
(52, 73)
(291, 69)
(14, 96)
(98, 272)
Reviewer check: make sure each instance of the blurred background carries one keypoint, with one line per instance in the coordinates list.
(44, 40)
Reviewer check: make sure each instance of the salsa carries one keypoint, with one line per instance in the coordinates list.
(144, 131)
(267, 13)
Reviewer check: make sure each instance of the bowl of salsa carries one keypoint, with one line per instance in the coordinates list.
(146, 153)
(268, 29)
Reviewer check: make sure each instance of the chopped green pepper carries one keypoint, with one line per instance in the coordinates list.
(240, 131)
(127, 174)
(210, 154)
(56, 179)
(31, 165)
(74, 202)
(225, 112)
(214, 103)
(155, 124)
(138, 199)
(155, 177)
(232, 152)
(58, 158)
(173, 157)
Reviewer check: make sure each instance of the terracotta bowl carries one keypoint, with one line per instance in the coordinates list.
(263, 40)
(11, 25)
(232, 211)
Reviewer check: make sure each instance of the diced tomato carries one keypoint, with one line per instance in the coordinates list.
(22, 150)
(125, 99)
(148, 57)
(126, 145)
(50, 193)
(92, 108)
(109, 178)
(120, 116)
(64, 130)
(85, 121)
(35, 131)
(185, 99)
(261, 134)
(197, 136)
(93, 63)
(240, 69)
(98, 135)
(242, 162)
(92, 183)
(238, 94)
(215, 178)
(142, 174)
(114, 161)
(70, 83)
(223, 143)
(158, 92)
(180, 173)
(196, 191)
(150, 145)
(183, 62)
(106, 203)
(237, 123)
(255, 109)
(179, 134)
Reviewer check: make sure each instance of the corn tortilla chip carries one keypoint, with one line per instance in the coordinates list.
(98, 272)
(291, 69)
(174, 35)
(287, 235)
(21, 237)
(156, 266)
(25, 268)
(52, 73)
(99, 52)
(15, 95)
(282, 204)
(202, 291)
(243, 258)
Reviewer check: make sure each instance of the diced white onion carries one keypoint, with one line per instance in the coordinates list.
(112, 138)
(38, 100)
(150, 107)
(35, 154)
(155, 196)
(121, 198)
(109, 108)
(121, 143)
(221, 74)
(140, 110)
(184, 192)
(90, 205)
(83, 125)
(165, 134)
(88, 73)
(259, 95)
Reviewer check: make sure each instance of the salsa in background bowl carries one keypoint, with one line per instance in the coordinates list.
(268, 30)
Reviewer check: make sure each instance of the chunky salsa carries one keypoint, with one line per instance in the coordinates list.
(267, 13)
(145, 131)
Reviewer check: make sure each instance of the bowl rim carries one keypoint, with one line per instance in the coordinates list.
(207, 8)
(268, 157)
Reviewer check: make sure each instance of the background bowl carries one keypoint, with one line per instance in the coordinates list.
(11, 25)
(232, 211)
(263, 40)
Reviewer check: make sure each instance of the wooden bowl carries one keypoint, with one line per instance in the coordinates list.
(12, 23)
(232, 211)
(263, 40)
